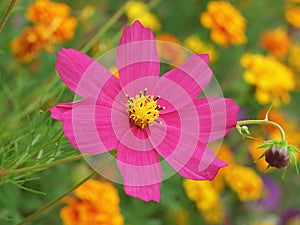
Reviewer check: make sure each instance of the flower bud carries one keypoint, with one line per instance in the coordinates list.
(277, 157)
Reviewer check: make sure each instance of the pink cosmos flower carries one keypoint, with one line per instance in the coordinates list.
(144, 115)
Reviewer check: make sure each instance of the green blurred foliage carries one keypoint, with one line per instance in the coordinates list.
(28, 136)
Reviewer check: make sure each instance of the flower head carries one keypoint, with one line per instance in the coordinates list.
(272, 79)
(292, 15)
(245, 182)
(277, 157)
(55, 17)
(87, 207)
(207, 200)
(194, 43)
(226, 23)
(27, 46)
(138, 10)
(169, 50)
(52, 24)
(276, 42)
(143, 115)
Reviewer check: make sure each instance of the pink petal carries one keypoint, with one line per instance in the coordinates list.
(193, 75)
(186, 154)
(59, 109)
(89, 128)
(141, 173)
(108, 93)
(80, 73)
(217, 116)
(137, 55)
(203, 165)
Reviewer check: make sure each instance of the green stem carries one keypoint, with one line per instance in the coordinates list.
(262, 122)
(104, 28)
(42, 166)
(6, 14)
(108, 24)
(57, 200)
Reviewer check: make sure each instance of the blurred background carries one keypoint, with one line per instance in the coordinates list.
(254, 49)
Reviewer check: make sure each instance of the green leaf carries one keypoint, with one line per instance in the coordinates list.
(266, 145)
(261, 156)
(284, 172)
(267, 168)
(294, 161)
(293, 149)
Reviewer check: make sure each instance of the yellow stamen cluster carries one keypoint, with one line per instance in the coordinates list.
(143, 109)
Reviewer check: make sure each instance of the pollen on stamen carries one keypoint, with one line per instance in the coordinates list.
(143, 109)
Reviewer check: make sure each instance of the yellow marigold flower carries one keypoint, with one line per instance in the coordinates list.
(137, 10)
(87, 12)
(267, 222)
(292, 15)
(293, 58)
(55, 17)
(174, 54)
(207, 200)
(276, 42)
(96, 203)
(227, 156)
(181, 217)
(226, 23)
(245, 182)
(272, 79)
(194, 43)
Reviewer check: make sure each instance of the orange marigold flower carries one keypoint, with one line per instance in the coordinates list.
(29, 44)
(276, 42)
(55, 17)
(169, 49)
(292, 15)
(95, 203)
(226, 23)
(255, 153)
(52, 24)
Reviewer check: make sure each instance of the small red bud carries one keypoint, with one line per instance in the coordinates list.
(277, 157)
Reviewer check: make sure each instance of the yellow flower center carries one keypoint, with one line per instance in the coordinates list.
(143, 109)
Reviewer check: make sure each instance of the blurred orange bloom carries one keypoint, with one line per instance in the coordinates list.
(95, 203)
(226, 23)
(169, 49)
(55, 17)
(292, 15)
(29, 44)
(52, 24)
(276, 42)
